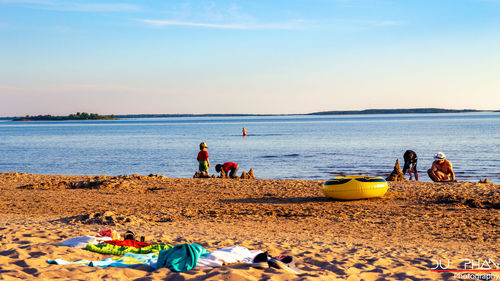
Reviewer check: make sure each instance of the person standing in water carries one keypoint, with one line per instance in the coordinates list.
(410, 158)
(244, 132)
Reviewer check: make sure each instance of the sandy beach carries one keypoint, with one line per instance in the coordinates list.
(397, 237)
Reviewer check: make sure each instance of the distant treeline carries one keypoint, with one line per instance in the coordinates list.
(395, 111)
(77, 116)
(366, 111)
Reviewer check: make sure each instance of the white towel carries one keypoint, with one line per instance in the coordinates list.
(228, 255)
(81, 242)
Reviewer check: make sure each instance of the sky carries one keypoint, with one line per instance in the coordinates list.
(260, 56)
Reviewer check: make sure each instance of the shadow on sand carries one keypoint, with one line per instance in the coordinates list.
(279, 200)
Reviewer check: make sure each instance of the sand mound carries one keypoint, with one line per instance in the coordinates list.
(121, 183)
(244, 175)
(396, 174)
(485, 203)
(105, 218)
(484, 196)
(248, 175)
(485, 181)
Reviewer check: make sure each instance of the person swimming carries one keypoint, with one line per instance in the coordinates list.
(244, 132)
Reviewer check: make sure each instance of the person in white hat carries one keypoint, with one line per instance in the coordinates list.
(441, 169)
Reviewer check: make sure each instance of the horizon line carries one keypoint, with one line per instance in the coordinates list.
(420, 110)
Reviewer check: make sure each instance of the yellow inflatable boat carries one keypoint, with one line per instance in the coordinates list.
(355, 187)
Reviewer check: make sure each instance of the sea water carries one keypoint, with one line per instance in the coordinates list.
(277, 147)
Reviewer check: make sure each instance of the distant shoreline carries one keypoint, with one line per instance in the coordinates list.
(337, 112)
(344, 112)
(71, 117)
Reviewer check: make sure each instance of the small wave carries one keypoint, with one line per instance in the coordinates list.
(360, 173)
(263, 135)
(337, 173)
(276, 156)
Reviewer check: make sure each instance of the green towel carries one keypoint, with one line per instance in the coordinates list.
(180, 258)
(109, 249)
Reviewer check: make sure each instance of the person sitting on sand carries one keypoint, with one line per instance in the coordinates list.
(410, 159)
(441, 169)
(202, 158)
(228, 167)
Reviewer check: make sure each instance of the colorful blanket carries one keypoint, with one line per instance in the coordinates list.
(109, 249)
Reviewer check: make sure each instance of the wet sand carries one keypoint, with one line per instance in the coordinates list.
(397, 237)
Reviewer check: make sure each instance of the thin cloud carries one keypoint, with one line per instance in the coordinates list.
(74, 6)
(37, 2)
(292, 25)
(96, 7)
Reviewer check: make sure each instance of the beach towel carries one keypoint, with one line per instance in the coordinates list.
(109, 249)
(128, 259)
(81, 242)
(227, 255)
(61, 261)
(180, 258)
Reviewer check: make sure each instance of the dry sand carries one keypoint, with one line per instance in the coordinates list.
(392, 238)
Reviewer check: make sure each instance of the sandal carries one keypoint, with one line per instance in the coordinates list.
(286, 263)
(261, 261)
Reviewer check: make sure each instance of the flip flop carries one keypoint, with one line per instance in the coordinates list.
(261, 261)
(286, 263)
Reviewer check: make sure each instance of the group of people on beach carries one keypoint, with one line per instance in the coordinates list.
(440, 171)
(229, 168)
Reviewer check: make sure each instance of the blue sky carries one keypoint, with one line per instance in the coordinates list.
(295, 56)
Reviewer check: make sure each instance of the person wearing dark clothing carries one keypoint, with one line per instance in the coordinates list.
(410, 158)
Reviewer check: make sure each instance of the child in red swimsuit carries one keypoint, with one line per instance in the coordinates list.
(228, 167)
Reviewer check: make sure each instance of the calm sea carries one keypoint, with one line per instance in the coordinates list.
(278, 147)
